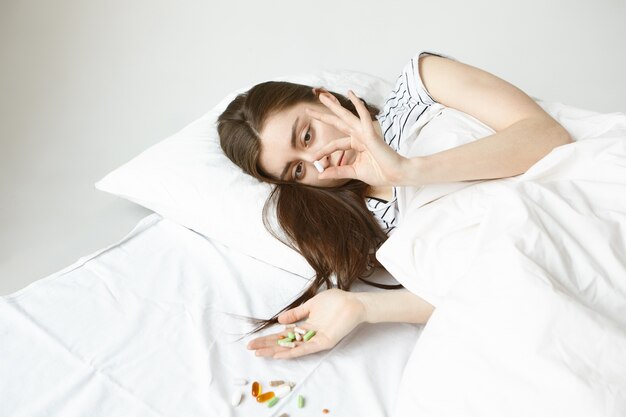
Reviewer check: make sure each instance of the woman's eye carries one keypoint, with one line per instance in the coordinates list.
(298, 172)
(307, 137)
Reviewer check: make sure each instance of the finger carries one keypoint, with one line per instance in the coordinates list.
(343, 171)
(273, 350)
(265, 341)
(344, 114)
(295, 314)
(301, 350)
(329, 119)
(342, 144)
(364, 114)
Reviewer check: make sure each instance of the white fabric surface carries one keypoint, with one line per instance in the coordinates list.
(139, 329)
(528, 276)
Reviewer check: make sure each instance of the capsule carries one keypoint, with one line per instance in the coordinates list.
(272, 402)
(235, 399)
(298, 337)
(282, 390)
(265, 396)
(309, 335)
(300, 401)
(299, 330)
(318, 165)
(276, 383)
(285, 343)
(256, 389)
(240, 381)
(291, 336)
(325, 411)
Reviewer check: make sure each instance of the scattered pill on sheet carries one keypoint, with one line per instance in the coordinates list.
(240, 381)
(300, 401)
(272, 402)
(235, 399)
(256, 389)
(276, 383)
(325, 411)
(266, 396)
(282, 390)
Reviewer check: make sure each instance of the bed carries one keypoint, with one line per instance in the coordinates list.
(530, 315)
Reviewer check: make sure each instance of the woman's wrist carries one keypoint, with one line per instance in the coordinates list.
(399, 306)
(414, 171)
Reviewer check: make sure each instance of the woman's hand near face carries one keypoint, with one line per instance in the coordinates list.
(332, 314)
(376, 163)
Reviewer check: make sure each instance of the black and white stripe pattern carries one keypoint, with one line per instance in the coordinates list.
(403, 107)
(384, 211)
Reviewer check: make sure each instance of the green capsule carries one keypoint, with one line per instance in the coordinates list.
(309, 335)
(300, 401)
(291, 336)
(286, 343)
(272, 402)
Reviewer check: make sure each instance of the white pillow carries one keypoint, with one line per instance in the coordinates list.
(187, 178)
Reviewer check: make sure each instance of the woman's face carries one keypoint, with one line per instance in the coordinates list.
(288, 141)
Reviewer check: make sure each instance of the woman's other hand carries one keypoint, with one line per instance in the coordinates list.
(376, 163)
(332, 314)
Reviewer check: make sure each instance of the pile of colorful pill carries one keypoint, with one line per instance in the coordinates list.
(270, 397)
(297, 335)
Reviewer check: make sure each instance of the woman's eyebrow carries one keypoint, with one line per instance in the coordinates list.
(293, 146)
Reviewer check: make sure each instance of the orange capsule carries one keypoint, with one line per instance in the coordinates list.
(265, 397)
(325, 411)
(256, 389)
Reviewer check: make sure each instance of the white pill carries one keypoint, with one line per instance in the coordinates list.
(318, 166)
(298, 337)
(282, 390)
(299, 330)
(235, 399)
(239, 381)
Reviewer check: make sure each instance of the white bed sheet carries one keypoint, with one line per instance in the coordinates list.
(138, 329)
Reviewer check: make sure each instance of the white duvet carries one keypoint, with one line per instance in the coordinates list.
(528, 276)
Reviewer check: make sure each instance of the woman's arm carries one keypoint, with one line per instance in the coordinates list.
(400, 306)
(524, 131)
(334, 313)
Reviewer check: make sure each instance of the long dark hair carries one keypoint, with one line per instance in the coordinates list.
(330, 227)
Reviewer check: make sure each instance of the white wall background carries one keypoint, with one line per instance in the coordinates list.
(87, 85)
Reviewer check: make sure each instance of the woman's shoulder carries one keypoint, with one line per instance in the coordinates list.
(406, 103)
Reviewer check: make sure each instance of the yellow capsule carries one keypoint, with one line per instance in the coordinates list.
(256, 389)
(265, 397)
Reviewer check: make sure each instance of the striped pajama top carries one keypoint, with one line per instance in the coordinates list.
(403, 107)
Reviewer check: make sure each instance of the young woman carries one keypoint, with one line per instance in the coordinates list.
(338, 218)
